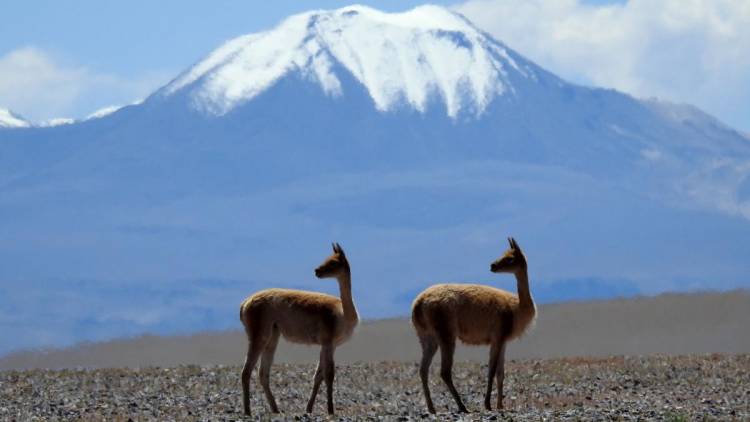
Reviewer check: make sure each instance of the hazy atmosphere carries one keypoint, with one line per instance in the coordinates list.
(183, 184)
(155, 170)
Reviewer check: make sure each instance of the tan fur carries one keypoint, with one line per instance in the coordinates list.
(301, 317)
(476, 315)
(475, 312)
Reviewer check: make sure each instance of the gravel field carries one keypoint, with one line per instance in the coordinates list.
(711, 387)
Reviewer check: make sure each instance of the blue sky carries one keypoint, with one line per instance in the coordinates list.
(68, 59)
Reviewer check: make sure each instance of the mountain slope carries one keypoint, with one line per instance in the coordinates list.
(414, 139)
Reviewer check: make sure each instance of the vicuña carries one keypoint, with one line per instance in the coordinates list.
(301, 317)
(476, 315)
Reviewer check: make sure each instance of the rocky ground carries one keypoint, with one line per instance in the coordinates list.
(713, 387)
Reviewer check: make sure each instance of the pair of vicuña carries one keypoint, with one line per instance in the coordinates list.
(475, 314)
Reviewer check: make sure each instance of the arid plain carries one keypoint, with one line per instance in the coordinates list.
(673, 324)
(670, 357)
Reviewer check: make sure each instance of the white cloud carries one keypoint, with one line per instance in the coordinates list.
(40, 86)
(720, 186)
(694, 51)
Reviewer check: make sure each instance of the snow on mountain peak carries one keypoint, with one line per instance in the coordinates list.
(57, 121)
(105, 111)
(10, 120)
(398, 57)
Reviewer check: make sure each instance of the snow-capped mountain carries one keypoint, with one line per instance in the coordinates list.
(410, 58)
(10, 120)
(414, 139)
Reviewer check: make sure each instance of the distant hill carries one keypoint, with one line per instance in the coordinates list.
(667, 324)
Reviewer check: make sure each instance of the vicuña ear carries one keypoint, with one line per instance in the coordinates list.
(510, 242)
(515, 244)
(339, 249)
(333, 244)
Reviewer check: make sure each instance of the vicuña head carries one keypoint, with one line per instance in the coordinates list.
(335, 265)
(512, 261)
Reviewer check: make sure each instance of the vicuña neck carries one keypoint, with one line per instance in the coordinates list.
(345, 288)
(524, 295)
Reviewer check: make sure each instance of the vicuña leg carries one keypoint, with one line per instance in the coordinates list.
(329, 372)
(500, 375)
(254, 349)
(316, 383)
(492, 371)
(266, 360)
(447, 347)
(429, 347)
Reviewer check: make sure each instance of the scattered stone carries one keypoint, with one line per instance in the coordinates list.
(651, 388)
